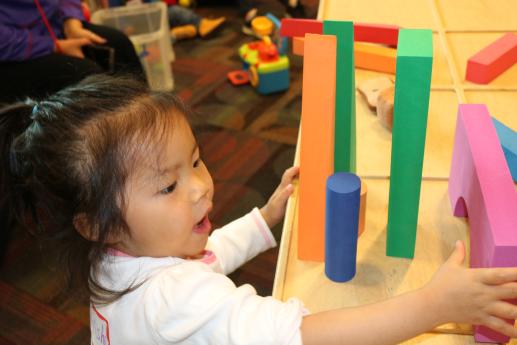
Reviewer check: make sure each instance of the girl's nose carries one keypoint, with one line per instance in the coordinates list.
(200, 187)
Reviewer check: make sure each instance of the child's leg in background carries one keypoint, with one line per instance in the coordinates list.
(185, 23)
(179, 16)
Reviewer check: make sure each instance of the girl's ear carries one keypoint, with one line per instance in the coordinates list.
(87, 230)
(84, 228)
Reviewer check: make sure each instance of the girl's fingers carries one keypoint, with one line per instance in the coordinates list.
(503, 310)
(496, 276)
(289, 175)
(501, 326)
(507, 291)
(96, 38)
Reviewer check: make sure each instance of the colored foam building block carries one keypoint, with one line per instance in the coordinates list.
(341, 224)
(376, 33)
(291, 27)
(366, 56)
(492, 60)
(298, 45)
(508, 139)
(363, 32)
(375, 57)
(316, 142)
(412, 90)
(362, 209)
(480, 187)
(344, 130)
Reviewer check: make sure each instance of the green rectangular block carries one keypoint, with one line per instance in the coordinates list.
(412, 90)
(344, 133)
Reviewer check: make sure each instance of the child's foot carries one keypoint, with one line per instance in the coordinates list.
(208, 26)
(183, 32)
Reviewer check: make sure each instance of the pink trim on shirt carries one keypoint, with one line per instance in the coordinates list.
(116, 252)
(208, 257)
(262, 228)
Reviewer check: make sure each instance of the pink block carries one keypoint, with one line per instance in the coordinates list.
(481, 187)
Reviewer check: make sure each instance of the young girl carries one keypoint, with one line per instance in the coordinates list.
(114, 170)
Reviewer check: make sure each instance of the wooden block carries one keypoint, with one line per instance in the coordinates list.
(376, 33)
(292, 27)
(508, 139)
(344, 135)
(412, 89)
(362, 208)
(375, 58)
(492, 60)
(316, 142)
(385, 105)
(370, 89)
(480, 187)
(298, 43)
(341, 224)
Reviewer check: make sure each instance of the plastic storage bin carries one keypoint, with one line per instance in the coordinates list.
(148, 28)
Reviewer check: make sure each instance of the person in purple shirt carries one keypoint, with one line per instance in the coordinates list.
(43, 44)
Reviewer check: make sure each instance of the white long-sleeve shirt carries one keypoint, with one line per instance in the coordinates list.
(192, 301)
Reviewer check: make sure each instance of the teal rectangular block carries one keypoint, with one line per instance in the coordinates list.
(344, 133)
(412, 90)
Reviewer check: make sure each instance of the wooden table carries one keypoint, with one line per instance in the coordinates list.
(460, 29)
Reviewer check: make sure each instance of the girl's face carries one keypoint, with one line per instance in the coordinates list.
(168, 204)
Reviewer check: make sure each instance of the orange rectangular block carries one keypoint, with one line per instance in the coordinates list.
(316, 142)
(298, 43)
(375, 57)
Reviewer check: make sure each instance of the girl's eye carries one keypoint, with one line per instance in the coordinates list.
(196, 163)
(169, 189)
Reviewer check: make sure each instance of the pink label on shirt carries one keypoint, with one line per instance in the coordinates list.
(99, 327)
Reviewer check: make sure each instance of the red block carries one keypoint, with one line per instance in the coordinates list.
(291, 27)
(376, 33)
(492, 60)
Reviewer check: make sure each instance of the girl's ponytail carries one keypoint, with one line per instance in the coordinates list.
(14, 200)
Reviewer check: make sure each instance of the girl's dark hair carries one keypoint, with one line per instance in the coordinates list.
(71, 154)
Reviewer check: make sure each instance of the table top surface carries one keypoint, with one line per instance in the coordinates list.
(460, 29)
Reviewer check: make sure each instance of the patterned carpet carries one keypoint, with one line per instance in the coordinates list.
(247, 141)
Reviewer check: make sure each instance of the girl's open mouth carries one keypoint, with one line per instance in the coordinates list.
(203, 226)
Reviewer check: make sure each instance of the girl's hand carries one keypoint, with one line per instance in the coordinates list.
(476, 296)
(72, 46)
(73, 28)
(274, 210)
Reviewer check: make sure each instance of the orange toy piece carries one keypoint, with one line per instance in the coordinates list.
(492, 60)
(375, 57)
(317, 142)
(240, 77)
(298, 45)
(262, 26)
(367, 56)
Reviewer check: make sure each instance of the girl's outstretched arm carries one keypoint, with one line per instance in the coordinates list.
(455, 294)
